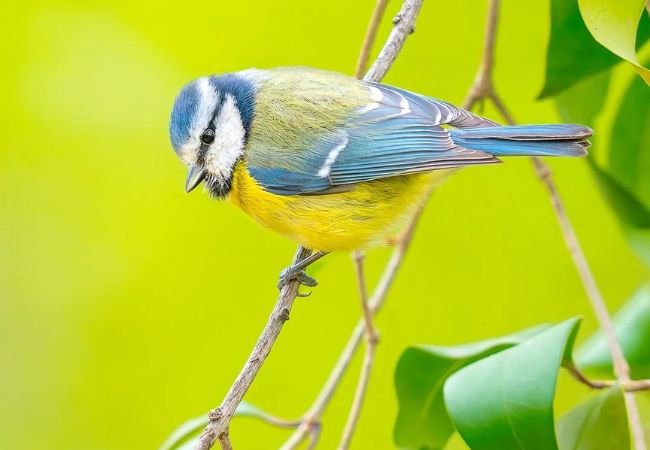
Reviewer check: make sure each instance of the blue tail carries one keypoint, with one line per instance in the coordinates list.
(526, 140)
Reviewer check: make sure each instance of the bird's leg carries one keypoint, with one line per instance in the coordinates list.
(297, 271)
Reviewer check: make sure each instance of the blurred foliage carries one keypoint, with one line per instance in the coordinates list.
(186, 434)
(600, 423)
(621, 175)
(632, 324)
(127, 306)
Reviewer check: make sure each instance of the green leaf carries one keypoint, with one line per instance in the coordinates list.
(505, 401)
(600, 423)
(629, 154)
(623, 181)
(625, 204)
(421, 372)
(640, 241)
(583, 101)
(573, 54)
(185, 436)
(569, 42)
(632, 326)
(614, 24)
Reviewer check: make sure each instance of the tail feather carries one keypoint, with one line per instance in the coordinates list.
(526, 140)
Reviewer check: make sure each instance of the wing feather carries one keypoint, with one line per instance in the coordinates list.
(394, 132)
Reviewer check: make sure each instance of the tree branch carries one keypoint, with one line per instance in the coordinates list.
(369, 39)
(218, 427)
(403, 26)
(629, 386)
(366, 367)
(484, 88)
(312, 417)
(224, 441)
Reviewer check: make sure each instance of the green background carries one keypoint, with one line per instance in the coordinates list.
(127, 306)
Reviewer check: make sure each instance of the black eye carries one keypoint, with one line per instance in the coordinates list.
(208, 136)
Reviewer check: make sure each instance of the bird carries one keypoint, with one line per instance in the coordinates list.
(333, 162)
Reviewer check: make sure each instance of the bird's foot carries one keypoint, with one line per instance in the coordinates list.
(296, 274)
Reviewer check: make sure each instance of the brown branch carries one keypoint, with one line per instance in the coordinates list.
(224, 441)
(371, 333)
(403, 26)
(484, 88)
(594, 384)
(369, 39)
(372, 339)
(629, 386)
(218, 426)
(311, 419)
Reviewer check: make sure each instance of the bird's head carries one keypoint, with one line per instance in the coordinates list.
(209, 127)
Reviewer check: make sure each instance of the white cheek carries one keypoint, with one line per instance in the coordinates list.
(228, 145)
(187, 152)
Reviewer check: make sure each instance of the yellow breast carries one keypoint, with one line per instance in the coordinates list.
(357, 219)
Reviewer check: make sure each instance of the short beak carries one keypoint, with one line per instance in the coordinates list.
(194, 178)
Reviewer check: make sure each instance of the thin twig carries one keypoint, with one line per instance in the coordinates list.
(594, 384)
(371, 333)
(484, 88)
(369, 357)
(313, 415)
(224, 441)
(403, 26)
(621, 367)
(279, 422)
(629, 386)
(359, 397)
(218, 426)
(369, 39)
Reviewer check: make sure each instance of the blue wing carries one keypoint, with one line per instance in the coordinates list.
(396, 133)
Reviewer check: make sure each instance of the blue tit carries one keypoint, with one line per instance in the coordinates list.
(332, 162)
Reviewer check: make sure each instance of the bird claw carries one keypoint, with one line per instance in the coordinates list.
(288, 275)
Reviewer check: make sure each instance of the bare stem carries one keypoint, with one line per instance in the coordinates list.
(629, 386)
(359, 397)
(313, 415)
(371, 333)
(369, 357)
(218, 425)
(403, 26)
(369, 39)
(621, 367)
(484, 88)
(224, 441)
